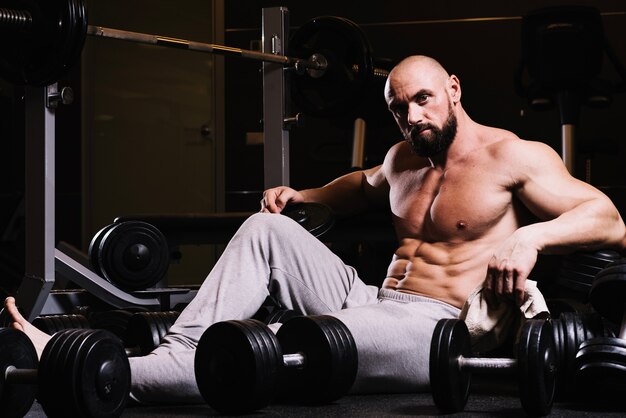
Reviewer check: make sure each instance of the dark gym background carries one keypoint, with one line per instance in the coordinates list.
(478, 41)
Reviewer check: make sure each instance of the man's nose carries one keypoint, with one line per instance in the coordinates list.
(414, 116)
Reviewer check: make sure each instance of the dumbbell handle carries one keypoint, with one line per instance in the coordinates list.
(483, 363)
(24, 376)
(294, 360)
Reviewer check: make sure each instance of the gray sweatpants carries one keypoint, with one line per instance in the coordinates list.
(272, 254)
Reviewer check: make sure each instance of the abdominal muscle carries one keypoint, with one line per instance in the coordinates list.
(444, 271)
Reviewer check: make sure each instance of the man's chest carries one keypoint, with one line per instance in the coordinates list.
(460, 204)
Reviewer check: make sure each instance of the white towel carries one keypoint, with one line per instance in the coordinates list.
(490, 327)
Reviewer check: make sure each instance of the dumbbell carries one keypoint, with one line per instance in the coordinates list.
(451, 366)
(241, 366)
(82, 373)
(133, 255)
(570, 330)
(601, 362)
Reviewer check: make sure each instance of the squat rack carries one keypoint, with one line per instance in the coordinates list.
(43, 260)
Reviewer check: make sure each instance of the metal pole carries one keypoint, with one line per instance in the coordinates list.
(276, 137)
(40, 211)
(568, 150)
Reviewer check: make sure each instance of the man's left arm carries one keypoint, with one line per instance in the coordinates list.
(573, 216)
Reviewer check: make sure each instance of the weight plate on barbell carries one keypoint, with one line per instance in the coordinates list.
(536, 361)
(315, 217)
(449, 384)
(133, 255)
(343, 84)
(16, 350)
(235, 371)
(43, 53)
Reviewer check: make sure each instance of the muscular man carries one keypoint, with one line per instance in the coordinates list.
(472, 205)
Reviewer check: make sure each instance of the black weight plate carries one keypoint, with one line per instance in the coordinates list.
(350, 70)
(559, 344)
(582, 288)
(576, 276)
(55, 394)
(143, 332)
(133, 255)
(94, 248)
(571, 346)
(616, 268)
(607, 294)
(45, 52)
(570, 265)
(268, 344)
(594, 327)
(16, 350)
(51, 324)
(231, 369)
(537, 367)
(85, 374)
(169, 319)
(115, 321)
(346, 357)
(449, 384)
(314, 217)
(597, 259)
(312, 383)
(325, 388)
(101, 375)
(601, 367)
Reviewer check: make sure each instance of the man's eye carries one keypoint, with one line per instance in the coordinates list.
(422, 99)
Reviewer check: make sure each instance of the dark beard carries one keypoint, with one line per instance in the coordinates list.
(435, 141)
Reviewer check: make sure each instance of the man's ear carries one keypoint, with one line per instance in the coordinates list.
(454, 87)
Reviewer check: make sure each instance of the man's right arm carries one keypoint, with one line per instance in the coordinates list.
(346, 195)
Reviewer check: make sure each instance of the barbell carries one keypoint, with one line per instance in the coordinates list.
(41, 39)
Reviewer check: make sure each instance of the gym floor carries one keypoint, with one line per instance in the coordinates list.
(492, 397)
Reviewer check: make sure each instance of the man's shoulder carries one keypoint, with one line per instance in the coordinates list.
(401, 155)
(507, 144)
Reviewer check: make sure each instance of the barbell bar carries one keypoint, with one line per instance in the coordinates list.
(50, 34)
(143, 38)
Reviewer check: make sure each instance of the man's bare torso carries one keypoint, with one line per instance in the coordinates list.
(449, 222)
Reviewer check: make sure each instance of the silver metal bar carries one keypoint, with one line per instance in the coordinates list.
(149, 39)
(99, 287)
(20, 376)
(491, 364)
(39, 201)
(294, 360)
(276, 137)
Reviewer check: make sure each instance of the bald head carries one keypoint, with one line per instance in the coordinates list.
(417, 67)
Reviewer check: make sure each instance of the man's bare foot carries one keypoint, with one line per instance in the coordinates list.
(38, 337)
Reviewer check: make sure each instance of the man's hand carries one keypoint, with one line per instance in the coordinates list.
(509, 268)
(275, 199)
